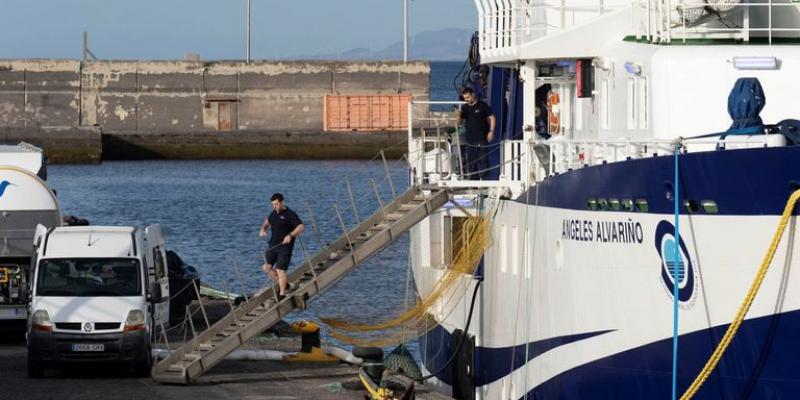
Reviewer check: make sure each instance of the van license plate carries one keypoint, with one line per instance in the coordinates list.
(88, 347)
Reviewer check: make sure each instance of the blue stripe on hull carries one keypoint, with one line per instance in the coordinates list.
(762, 362)
(742, 182)
(438, 348)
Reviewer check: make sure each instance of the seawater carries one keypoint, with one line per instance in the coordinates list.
(211, 212)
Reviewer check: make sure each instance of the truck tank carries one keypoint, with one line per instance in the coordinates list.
(26, 200)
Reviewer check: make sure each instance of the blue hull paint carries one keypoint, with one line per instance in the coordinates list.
(742, 182)
(762, 362)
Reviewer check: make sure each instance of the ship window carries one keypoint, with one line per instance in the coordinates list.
(614, 204)
(631, 103)
(591, 204)
(602, 204)
(605, 104)
(710, 206)
(641, 205)
(627, 204)
(642, 87)
(691, 206)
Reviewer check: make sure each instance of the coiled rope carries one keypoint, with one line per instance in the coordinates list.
(748, 300)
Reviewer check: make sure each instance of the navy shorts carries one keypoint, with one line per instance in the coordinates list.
(279, 257)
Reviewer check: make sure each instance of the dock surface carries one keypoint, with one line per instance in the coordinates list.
(252, 380)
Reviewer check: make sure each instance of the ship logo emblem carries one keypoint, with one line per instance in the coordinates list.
(665, 245)
(3, 186)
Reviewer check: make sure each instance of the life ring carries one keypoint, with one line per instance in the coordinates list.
(553, 112)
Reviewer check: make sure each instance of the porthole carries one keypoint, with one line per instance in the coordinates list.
(627, 205)
(602, 204)
(614, 204)
(641, 205)
(591, 204)
(669, 190)
(691, 206)
(709, 206)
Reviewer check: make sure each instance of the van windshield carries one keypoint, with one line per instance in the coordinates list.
(88, 277)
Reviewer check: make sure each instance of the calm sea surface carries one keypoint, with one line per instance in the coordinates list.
(211, 212)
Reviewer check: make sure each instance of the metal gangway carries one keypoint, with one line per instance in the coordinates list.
(315, 275)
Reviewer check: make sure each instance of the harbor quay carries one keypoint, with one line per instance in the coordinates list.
(84, 112)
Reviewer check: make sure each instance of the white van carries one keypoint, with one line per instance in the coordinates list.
(98, 294)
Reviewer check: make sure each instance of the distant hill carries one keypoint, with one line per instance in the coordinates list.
(442, 45)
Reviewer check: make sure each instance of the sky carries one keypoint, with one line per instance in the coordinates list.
(215, 29)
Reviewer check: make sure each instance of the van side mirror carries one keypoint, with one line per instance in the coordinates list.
(154, 294)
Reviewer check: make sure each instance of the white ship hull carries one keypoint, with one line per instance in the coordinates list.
(577, 303)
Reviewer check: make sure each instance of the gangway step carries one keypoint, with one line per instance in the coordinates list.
(323, 269)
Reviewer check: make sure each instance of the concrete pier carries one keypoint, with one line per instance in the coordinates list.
(192, 109)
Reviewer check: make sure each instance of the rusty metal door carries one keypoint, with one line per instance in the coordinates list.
(224, 116)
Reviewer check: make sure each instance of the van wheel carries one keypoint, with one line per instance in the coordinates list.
(142, 369)
(35, 371)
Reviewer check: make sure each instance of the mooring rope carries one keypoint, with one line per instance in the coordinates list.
(747, 302)
(676, 264)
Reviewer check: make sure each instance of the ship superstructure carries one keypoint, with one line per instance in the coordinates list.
(606, 112)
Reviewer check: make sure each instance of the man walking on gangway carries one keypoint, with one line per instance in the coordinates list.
(285, 227)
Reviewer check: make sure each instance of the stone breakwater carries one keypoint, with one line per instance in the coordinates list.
(88, 111)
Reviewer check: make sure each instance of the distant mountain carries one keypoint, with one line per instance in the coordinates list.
(442, 45)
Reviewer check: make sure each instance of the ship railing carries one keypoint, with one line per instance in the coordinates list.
(436, 154)
(667, 21)
(504, 25)
(557, 156)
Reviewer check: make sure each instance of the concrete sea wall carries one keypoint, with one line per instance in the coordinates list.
(187, 109)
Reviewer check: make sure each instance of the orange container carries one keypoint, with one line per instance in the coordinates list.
(366, 112)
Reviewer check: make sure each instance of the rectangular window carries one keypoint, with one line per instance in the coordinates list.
(503, 246)
(566, 109)
(631, 103)
(515, 250)
(643, 117)
(605, 104)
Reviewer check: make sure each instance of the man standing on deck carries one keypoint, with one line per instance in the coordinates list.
(478, 120)
(285, 226)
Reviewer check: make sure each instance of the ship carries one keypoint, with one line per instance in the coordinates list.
(639, 200)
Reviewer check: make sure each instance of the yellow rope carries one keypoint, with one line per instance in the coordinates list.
(748, 301)
(471, 242)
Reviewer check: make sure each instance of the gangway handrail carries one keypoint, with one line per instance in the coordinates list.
(315, 275)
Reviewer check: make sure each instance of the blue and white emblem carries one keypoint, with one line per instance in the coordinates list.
(665, 245)
(3, 186)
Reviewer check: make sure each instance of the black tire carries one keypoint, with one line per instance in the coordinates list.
(142, 369)
(35, 370)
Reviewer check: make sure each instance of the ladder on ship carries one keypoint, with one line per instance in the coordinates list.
(310, 279)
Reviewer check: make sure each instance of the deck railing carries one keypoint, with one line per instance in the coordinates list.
(505, 24)
(667, 21)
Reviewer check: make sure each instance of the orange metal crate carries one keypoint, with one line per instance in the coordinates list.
(366, 112)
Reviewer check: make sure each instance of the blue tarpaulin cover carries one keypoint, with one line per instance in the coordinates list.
(745, 104)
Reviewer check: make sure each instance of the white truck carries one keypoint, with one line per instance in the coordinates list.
(25, 201)
(98, 294)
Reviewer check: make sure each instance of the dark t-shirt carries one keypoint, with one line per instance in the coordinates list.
(476, 122)
(282, 224)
